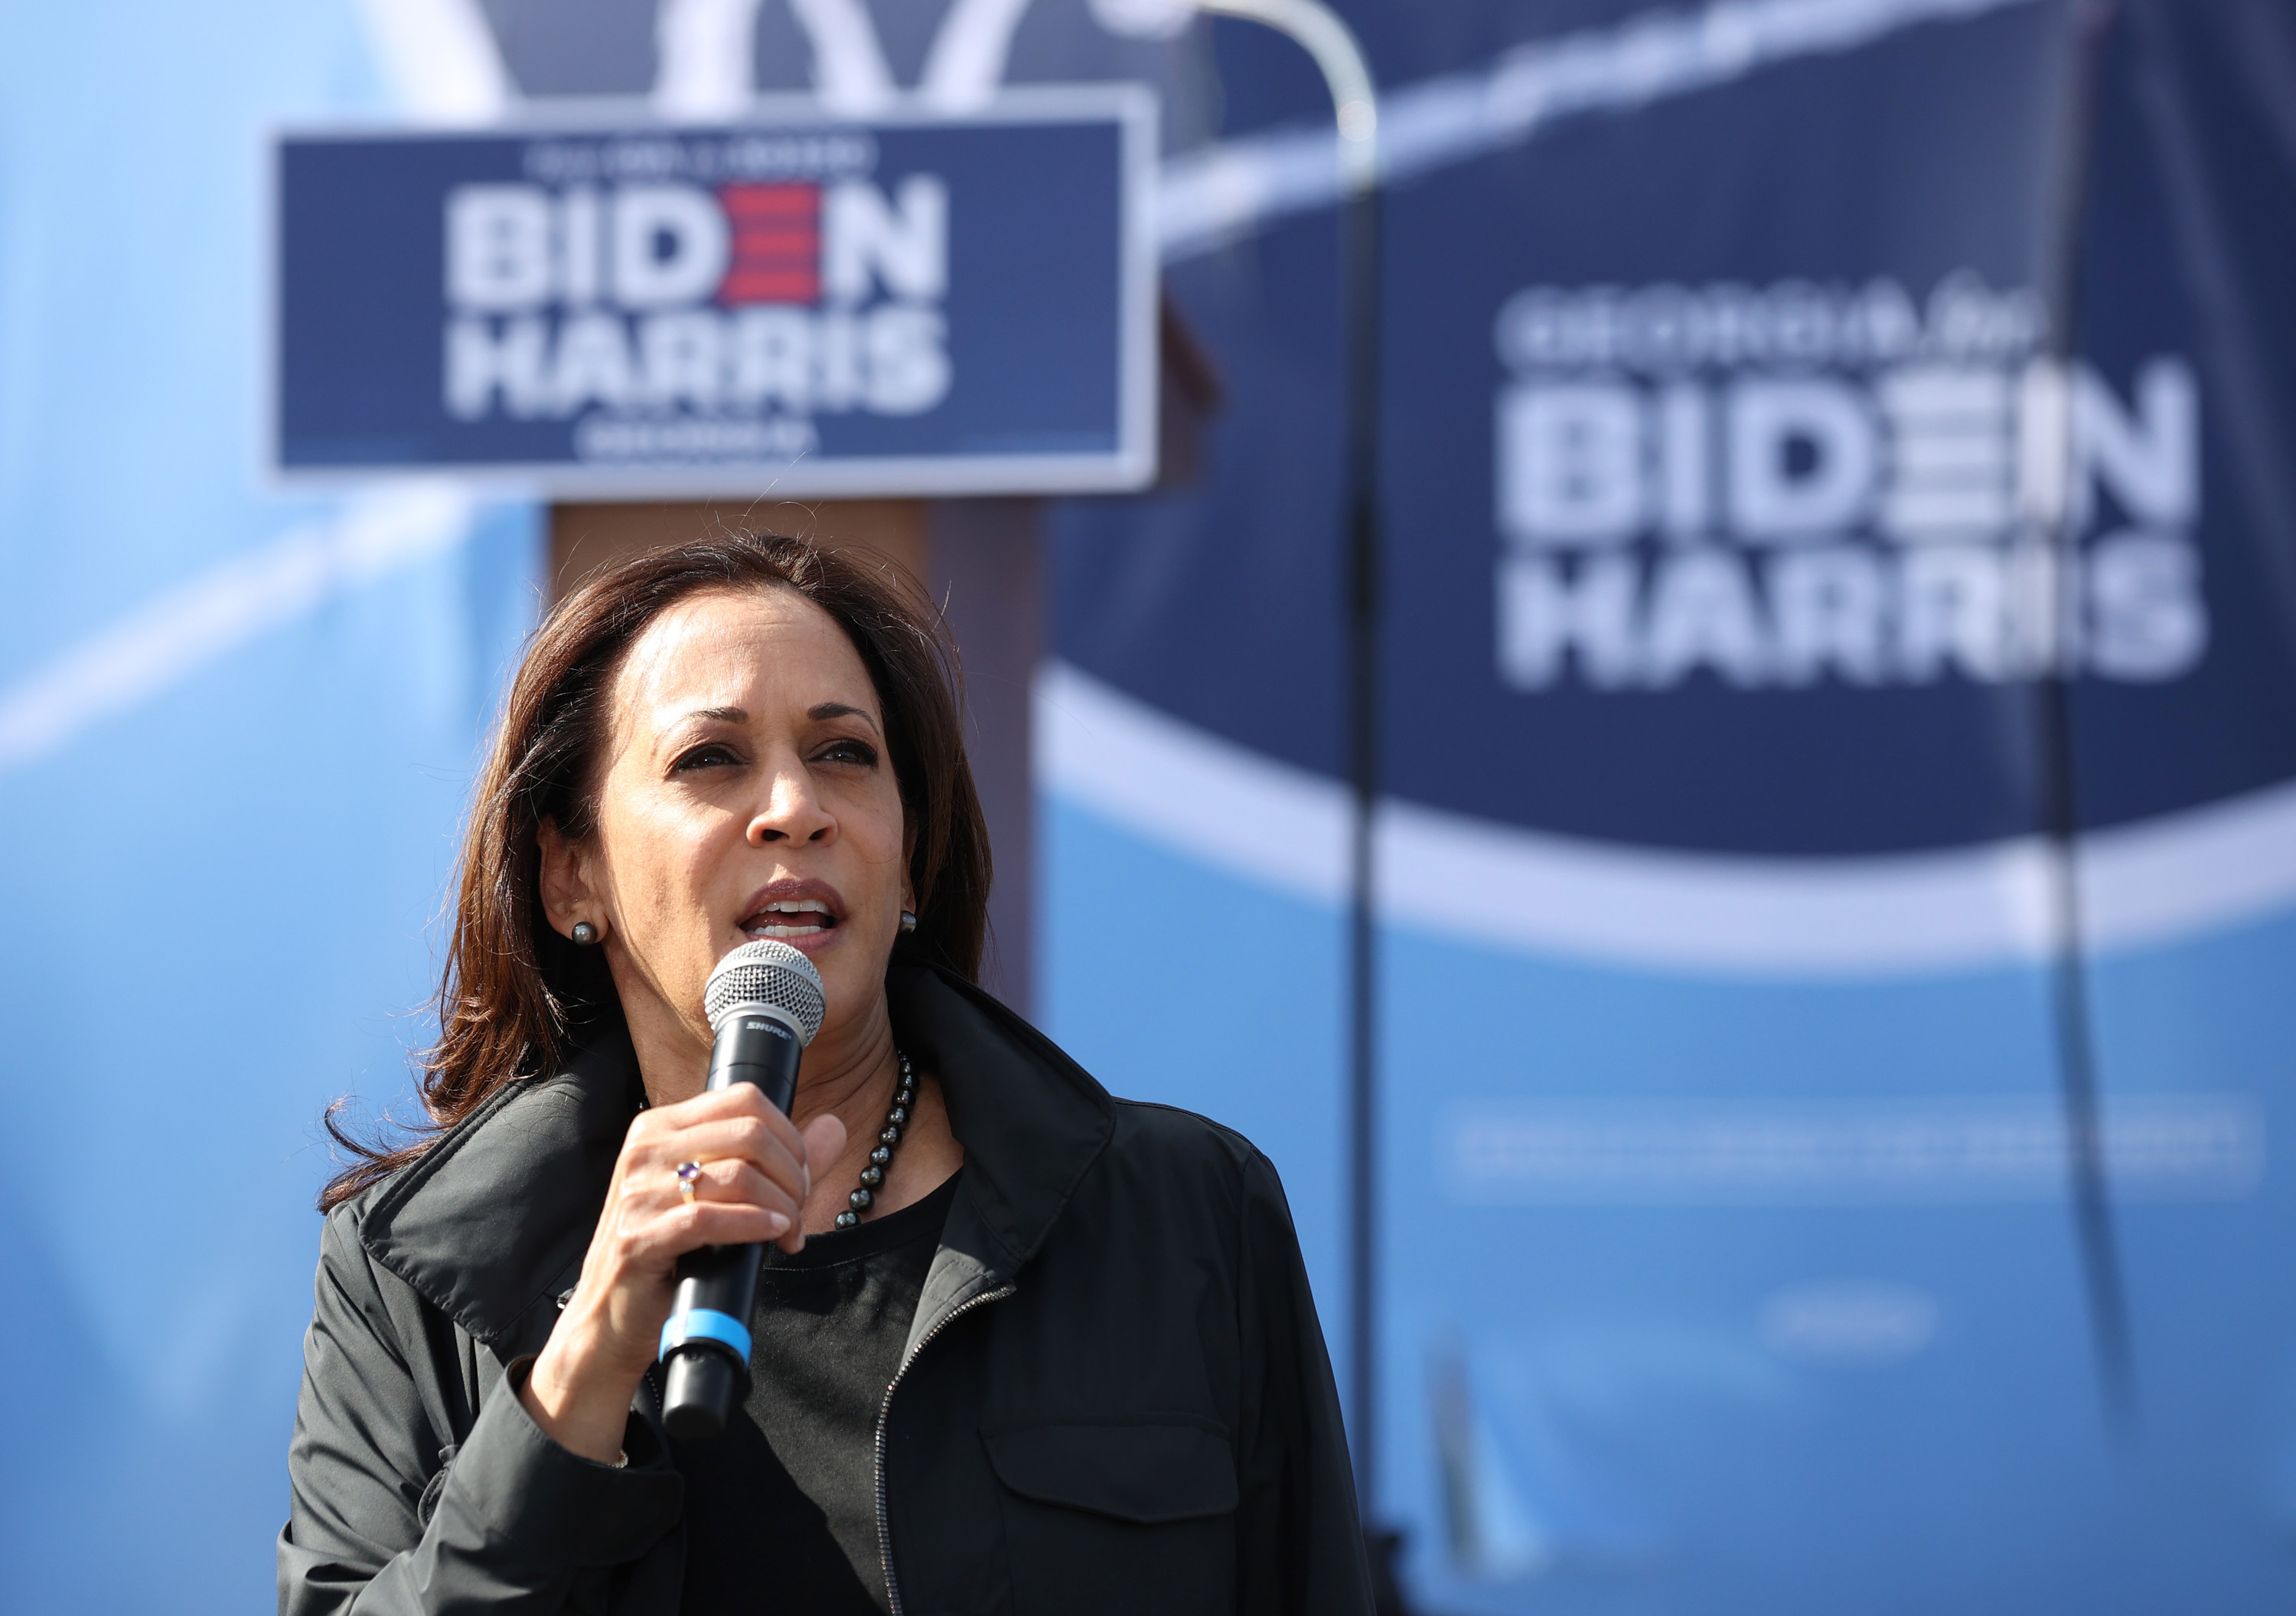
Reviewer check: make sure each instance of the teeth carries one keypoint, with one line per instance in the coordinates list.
(816, 920)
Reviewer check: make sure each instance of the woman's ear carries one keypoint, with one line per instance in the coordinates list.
(566, 893)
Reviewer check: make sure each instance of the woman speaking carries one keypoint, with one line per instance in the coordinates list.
(1017, 1346)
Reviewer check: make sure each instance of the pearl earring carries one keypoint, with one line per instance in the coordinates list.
(908, 920)
(585, 934)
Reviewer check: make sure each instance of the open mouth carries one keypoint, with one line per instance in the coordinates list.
(787, 920)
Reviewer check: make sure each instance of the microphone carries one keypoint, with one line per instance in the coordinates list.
(764, 1002)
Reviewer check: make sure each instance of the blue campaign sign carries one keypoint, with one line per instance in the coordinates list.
(1764, 413)
(615, 305)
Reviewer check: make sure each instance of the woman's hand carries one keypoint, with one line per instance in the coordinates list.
(756, 1170)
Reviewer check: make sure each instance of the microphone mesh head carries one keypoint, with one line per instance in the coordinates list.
(771, 974)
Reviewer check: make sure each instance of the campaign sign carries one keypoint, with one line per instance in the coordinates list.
(1754, 455)
(792, 303)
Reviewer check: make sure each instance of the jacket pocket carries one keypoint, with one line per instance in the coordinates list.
(1118, 1516)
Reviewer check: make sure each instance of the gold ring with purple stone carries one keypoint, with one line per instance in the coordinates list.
(689, 1175)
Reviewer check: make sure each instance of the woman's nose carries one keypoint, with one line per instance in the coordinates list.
(790, 812)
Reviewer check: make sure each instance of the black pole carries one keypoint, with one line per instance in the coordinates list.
(2077, 1061)
(1360, 317)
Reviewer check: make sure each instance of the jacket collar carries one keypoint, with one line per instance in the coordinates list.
(1031, 1122)
(493, 1221)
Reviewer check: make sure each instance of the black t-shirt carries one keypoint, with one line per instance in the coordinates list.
(781, 1511)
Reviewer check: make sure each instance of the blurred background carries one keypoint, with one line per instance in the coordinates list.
(1837, 858)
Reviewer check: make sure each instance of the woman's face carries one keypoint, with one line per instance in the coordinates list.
(746, 791)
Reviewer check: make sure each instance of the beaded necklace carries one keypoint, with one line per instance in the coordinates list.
(889, 1140)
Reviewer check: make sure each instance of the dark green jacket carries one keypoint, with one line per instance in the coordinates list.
(1114, 1398)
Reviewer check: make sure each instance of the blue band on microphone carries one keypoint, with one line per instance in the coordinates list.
(705, 1323)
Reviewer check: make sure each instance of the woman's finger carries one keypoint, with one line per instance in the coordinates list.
(749, 1155)
(739, 1105)
(652, 1238)
(747, 1129)
(747, 1141)
(825, 1141)
(732, 1181)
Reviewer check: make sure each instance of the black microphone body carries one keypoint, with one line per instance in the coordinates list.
(705, 1344)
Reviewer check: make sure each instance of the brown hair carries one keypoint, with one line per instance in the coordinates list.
(515, 995)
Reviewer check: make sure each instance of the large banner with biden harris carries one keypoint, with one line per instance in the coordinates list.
(1837, 851)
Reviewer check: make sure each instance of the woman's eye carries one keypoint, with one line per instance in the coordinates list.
(850, 751)
(712, 756)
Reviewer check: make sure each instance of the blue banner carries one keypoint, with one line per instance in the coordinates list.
(1749, 469)
(793, 303)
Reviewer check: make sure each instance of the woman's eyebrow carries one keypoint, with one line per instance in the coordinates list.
(821, 712)
(838, 710)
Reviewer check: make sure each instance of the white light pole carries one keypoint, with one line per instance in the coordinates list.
(1355, 106)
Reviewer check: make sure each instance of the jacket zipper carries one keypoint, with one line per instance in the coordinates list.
(884, 1411)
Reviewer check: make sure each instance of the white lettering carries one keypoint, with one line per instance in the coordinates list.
(669, 245)
(1803, 458)
(2041, 615)
(2148, 462)
(498, 248)
(1853, 613)
(581, 247)
(2148, 620)
(1951, 607)
(1949, 467)
(1881, 324)
(592, 364)
(1703, 614)
(908, 359)
(865, 239)
(1665, 329)
(772, 357)
(1545, 614)
(1569, 462)
(1685, 460)
(892, 360)
(836, 345)
(1829, 606)
(2043, 444)
(1931, 486)
(680, 358)
(1966, 316)
(479, 363)
(618, 438)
